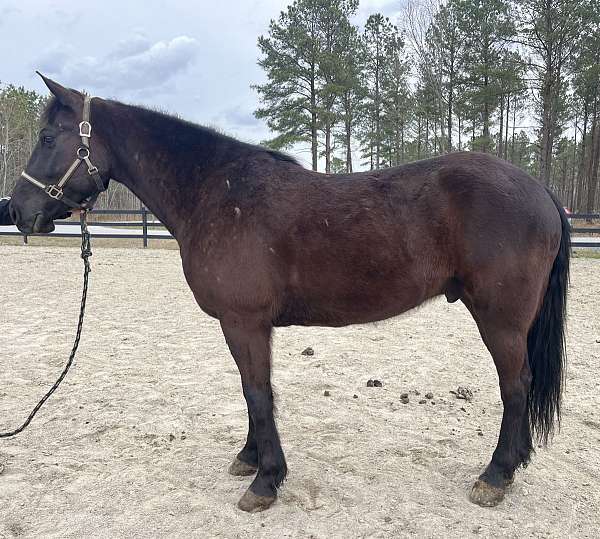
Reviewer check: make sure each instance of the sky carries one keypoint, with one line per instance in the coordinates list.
(195, 58)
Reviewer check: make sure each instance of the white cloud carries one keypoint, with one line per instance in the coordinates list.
(135, 64)
(132, 45)
(388, 8)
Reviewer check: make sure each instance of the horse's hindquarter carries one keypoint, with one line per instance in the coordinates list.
(505, 235)
(499, 212)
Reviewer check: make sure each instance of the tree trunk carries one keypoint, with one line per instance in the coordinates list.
(419, 138)
(507, 120)
(402, 142)
(547, 130)
(371, 148)
(451, 105)
(582, 160)
(313, 122)
(377, 110)
(5, 157)
(442, 125)
(514, 127)
(397, 146)
(328, 148)
(594, 162)
(501, 133)
(348, 142)
(573, 167)
(486, 120)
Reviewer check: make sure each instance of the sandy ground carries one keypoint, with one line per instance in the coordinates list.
(137, 441)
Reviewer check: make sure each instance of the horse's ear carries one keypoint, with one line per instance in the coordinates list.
(66, 96)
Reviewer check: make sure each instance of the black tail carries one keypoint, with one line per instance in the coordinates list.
(546, 343)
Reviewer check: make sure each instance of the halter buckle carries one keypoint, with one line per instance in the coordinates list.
(54, 192)
(92, 170)
(85, 129)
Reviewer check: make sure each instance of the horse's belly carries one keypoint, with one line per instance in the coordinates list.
(359, 305)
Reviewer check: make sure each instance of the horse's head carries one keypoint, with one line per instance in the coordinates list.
(68, 167)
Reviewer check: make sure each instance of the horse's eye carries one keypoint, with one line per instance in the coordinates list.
(46, 139)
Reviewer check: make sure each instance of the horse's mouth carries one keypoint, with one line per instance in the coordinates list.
(42, 225)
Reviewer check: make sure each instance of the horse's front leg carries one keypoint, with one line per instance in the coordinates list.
(246, 461)
(249, 340)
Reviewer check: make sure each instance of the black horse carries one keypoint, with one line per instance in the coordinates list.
(266, 243)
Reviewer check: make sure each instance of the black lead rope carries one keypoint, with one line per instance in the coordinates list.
(86, 252)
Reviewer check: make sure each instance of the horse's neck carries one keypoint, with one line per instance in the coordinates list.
(147, 168)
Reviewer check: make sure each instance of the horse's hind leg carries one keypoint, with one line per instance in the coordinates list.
(507, 343)
(249, 343)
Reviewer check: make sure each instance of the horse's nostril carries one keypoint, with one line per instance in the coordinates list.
(38, 223)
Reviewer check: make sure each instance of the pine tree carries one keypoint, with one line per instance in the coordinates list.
(377, 34)
(291, 54)
(484, 28)
(351, 90)
(301, 59)
(586, 104)
(396, 100)
(334, 31)
(444, 50)
(550, 30)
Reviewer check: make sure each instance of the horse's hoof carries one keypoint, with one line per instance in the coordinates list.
(240, 468)
(252, 503)
(486, 495)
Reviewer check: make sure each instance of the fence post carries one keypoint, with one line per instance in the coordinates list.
(145, 225)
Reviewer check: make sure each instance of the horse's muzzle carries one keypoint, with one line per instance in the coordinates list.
(38, 224)
(42, 225)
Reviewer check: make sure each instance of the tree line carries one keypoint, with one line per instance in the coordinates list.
(519, 79)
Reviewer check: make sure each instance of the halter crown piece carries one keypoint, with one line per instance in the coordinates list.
(56, 191)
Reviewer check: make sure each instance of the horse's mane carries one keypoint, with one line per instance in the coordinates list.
(53, 107)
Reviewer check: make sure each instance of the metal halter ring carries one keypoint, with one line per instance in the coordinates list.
(85, 129)
(85, 154)
(54, 192)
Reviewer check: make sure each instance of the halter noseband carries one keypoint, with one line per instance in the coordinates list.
(56, 191)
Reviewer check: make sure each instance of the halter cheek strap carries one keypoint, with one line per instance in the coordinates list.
(56, 191)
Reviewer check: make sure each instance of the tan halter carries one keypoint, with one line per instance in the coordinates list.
(56, 191)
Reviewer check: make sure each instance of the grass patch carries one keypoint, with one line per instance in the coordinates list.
(586, 253)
